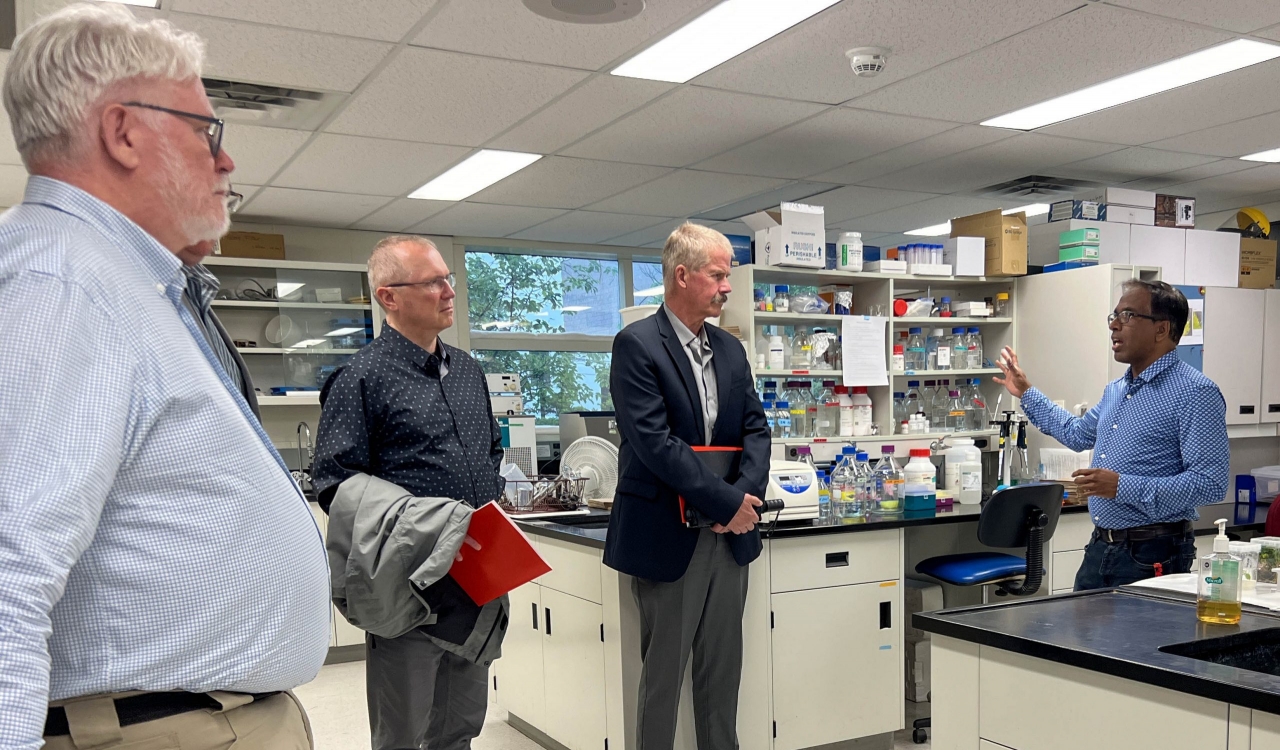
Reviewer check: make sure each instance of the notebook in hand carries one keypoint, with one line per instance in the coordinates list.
(724, 461)
(496, 557)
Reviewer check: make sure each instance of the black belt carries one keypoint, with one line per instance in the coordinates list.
(139, 709)
(1143, 533)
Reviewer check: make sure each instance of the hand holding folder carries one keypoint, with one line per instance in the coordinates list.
(496, 557)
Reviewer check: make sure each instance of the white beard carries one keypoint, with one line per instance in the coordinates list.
(186, 204)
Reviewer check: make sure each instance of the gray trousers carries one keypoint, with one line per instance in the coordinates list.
(421, 696)
(700, 613)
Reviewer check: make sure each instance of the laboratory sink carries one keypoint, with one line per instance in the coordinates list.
(1255, 650)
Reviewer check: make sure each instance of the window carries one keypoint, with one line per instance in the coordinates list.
(552, 382)
(511, 293)
(646, 284)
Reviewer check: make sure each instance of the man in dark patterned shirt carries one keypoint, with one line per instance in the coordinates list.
(414, 411)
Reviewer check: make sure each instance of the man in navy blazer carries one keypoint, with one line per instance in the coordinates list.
(679, 382)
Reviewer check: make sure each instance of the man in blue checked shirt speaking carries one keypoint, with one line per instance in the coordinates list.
(163, 583)
(1159, 440)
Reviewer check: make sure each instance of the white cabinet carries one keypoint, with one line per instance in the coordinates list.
(1042, 240)
(837, 663)
(1164, 247)
(519, 671)
(1212, 258)
(1270, 405)
(573, 671)
(1233, 348)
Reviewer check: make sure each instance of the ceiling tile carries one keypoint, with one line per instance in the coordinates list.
(284, 57)
(686, 193)
(733, 227)
(1230, 15)
(444, 97)
(927, 213)
(390, 23)
(944, 144)
(832, 138)
(1021, 155)
(690, 125)
(308, 207)
(1249, 136)
(1212, 169)
(594, 104)
(1271, 33)
(647, 237)
(507, 29)
(1129, 163)
(1228, 190)
(248, 191)
(349, 164)
(808, 61)
(13, 183)
(1201, 105)
(260, 152)
(587, 227)
(851, 202)
(561, 182)
(401, 214)
(1091, 45)
(484, 220)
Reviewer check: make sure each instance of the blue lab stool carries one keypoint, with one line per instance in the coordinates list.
(1024, 516)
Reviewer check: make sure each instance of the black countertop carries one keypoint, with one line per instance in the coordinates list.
(590, 529)
(1118, 632)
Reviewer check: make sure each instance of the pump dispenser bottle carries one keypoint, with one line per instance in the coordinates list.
(1219, 581)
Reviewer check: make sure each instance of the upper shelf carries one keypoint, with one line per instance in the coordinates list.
(814, 276)
(290, 305)
(952, 321)
(784, 317)
(283, 265)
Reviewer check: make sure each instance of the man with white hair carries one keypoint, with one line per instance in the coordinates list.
(162, 581)
(680, 383)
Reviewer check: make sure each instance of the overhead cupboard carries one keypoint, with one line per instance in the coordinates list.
(1184, 256)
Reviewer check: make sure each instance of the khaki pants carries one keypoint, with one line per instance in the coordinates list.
(274, 723)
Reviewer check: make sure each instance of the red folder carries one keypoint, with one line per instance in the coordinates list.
(496, 557)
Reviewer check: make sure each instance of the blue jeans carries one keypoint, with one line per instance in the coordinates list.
(1108, 564)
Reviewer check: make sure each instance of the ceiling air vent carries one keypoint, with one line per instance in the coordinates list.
(273, 106)
(586, 11)
(1038, 188)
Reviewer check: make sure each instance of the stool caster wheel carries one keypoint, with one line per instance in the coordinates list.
(919, 736)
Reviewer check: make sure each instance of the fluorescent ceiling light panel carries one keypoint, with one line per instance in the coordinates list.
(937, 230)
(344, 331)
(1197, 66)
(1031, 209)
(475, 173)
(722, 33)
(1272, 156)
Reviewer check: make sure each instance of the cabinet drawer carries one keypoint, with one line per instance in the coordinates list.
(1065, 565)
(1073, 532)
(834, 560)
(575, 569)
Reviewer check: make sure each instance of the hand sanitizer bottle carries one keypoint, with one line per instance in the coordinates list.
(1219, 581)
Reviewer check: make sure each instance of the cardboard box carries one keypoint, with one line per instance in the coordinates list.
(741, 245)
(1005, 240)
(1131, 215)
(252, 245)
(794, 235)
(1118, 196)
(1089, 210)
(1175, 211)
(1257, 263)
(966, 255)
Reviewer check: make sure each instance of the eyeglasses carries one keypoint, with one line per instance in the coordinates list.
(431, 285)
(234, 201)
(212, 130)
(1126, 317)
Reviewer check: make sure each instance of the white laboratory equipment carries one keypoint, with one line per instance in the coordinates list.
(796, 484)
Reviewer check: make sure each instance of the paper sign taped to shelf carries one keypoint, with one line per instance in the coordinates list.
(1193, 333)
(863, 350)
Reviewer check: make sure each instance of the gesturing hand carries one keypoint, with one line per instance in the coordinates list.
(1014, 380)
(745, 519)
(1102, 483)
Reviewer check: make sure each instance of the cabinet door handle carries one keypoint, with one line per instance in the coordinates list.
(546, 618)
(886, 615)
(838, 559)
(1273, 408)
(534, 606)
(1246, 409)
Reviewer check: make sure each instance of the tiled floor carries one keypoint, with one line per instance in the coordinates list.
(340, 720)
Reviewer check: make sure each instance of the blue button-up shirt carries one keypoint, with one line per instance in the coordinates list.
(150, 536)
(1164, 432)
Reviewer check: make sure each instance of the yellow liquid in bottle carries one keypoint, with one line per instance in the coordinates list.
(1218, 613)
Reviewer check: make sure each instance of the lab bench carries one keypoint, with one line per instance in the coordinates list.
(823, 656)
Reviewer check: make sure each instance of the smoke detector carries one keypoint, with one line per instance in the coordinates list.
(586, 11)
(867, 62)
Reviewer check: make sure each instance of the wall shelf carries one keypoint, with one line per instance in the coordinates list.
(880, 439)
(946, 373)
(284, 305)
(797, 373)
(944, 322)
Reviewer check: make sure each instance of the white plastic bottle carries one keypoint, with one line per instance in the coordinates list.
(846, 411)
(849, 255)
(777, 352)
(862, 414)
(920, 481)
(963, 472)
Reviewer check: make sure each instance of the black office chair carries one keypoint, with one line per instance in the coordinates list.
(1024, 516)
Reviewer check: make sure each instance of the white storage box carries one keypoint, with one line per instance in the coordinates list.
(637, 312)
(1268, 479)
(929, 269)
(793, 235)
(1131, 215)
(1118, 196)
(886, 266)
(967, 255)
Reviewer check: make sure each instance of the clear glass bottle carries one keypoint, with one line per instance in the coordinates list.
(782, 409)
(799, 415)
(1002, 307)
(899, 408)
(888, 478)
(957, 413)
(913, 398)
(973, 339)
(959, 349)
(828, 423)
(939, 350)
(917, 354)
(944, 307)
(865, 482)
(978, 416)
(781, 298)
(843, 489)
(801, 350)
(771, 416)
